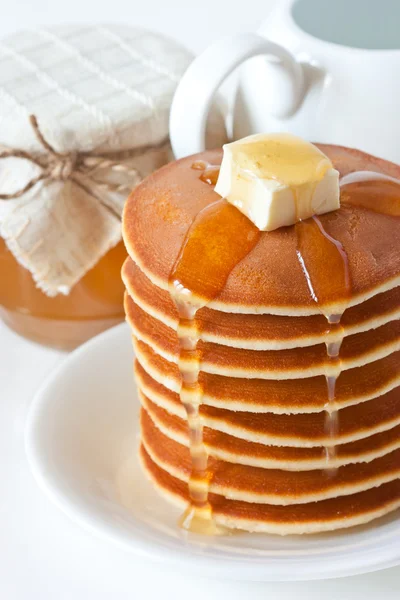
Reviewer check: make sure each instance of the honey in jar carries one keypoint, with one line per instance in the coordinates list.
(74, 142)
(93, 305)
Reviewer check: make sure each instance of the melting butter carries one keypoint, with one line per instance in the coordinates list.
(217, 240)
(283, 157)
(277, 180)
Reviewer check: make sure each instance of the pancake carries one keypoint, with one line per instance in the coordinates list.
(238, 451)
(276, 396)
(269, 377)
(299, 431)
(272, 486)
(314, 517)
(262, 331)
(157, 219)
(356, 350)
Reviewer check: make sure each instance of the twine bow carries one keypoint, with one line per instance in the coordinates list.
(58, 166)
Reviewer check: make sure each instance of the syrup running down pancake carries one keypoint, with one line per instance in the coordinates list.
(268, 363)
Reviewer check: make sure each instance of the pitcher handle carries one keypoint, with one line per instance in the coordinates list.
(195, 92)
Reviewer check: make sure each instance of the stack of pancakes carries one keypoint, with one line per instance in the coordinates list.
(264, 364)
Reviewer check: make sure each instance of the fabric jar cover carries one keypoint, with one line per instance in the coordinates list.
(100, 96)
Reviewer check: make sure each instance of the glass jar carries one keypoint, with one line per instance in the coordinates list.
(94, 304)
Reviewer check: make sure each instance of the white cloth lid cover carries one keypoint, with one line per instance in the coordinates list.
(92, 88)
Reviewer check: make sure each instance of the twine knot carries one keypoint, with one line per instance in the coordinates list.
(58, 166)
(62, 167)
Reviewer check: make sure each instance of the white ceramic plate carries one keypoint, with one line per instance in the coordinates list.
(81, 441)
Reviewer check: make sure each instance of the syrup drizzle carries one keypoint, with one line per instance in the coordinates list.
(208, 245)
(366, 189)
(373, 191)
(209, 172)
(326, 269)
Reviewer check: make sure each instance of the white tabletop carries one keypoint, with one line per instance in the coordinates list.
(44, 556)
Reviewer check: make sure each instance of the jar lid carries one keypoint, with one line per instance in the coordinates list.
(84, 117)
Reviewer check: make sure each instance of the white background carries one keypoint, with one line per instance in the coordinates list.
(43, 556)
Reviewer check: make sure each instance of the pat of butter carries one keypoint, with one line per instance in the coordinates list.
(277, 180)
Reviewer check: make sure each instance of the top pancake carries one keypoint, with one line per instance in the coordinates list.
(269, 279)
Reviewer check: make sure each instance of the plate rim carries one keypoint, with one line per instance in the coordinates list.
(283, 569)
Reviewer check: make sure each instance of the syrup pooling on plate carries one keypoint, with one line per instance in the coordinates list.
(217, 240)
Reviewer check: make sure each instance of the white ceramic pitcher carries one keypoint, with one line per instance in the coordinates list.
(326, 70)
